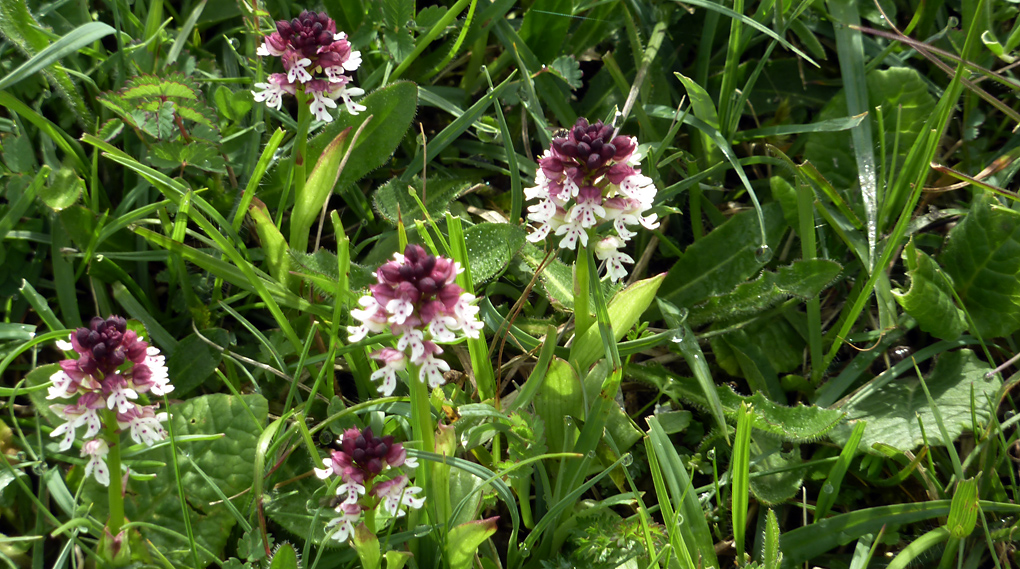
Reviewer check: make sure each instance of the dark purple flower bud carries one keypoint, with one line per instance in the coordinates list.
(285, 29)
(594, 161)
(624, 146)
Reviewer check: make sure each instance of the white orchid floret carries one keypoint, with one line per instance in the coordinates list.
(97, 450)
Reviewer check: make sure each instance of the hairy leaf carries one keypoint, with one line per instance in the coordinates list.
(801, 423)
(803, 279)
(930, 296)
(893, 410)
(723, 259)
(490, 247)
(983, 258)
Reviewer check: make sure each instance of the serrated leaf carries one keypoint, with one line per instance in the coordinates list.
(803, 279)
(397, 13)
(983, 258)
(930, 296)
(800, 423)
(393, 200)
(392, 108)
(568, 69)
(285, 557)
(398, 43)
(429, 17)
(175, 85)
(893, 410)
(723, 259)
(490, 247)
(110, 130)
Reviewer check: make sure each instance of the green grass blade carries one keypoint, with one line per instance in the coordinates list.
(740, 482)
(694, 529)
(830, 489)
(74, 40)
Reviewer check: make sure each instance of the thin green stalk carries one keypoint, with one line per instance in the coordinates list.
(116, 491)
(582, 311)
(297, 156)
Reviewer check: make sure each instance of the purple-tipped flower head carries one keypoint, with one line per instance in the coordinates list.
(586, 178)
(316, 59)
(417, 300)
(364, 464)
(114, 366)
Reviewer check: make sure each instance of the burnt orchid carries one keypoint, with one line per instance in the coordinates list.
(416, 300)
(368, 468)
(114, 366)
(317, 61)
(586, 178)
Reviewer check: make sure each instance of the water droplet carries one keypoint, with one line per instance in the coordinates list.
(679, 519)
(627, 460)
(422, 531)
(827, 488)
(763, 254)
(591, 454)
(525, 551)
(40, 468)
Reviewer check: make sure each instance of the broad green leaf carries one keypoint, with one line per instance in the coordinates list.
(560, 396)
(723, 259)
(701, 102)
(930, 296)
(274, 246)
(893, 410)
(625, 309)
(546, 26)
(800, 423)
(193, 361)
(226, 461)
(393, 199)
(316, 191)
(367, 545)
(982, 256)
(490, 247)
(783, 482)
(463, 541)
(392, 108)
(906, 105)
(803, 279)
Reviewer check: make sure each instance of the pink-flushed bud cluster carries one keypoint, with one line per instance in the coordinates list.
(416, 300)
(368, 467)
(317, 61)
(113, 367)
(586, 178)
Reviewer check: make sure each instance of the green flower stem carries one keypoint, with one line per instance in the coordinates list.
(297, 154)
(582, 310)
(116, 495)
(421, 423)
(421, 410)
